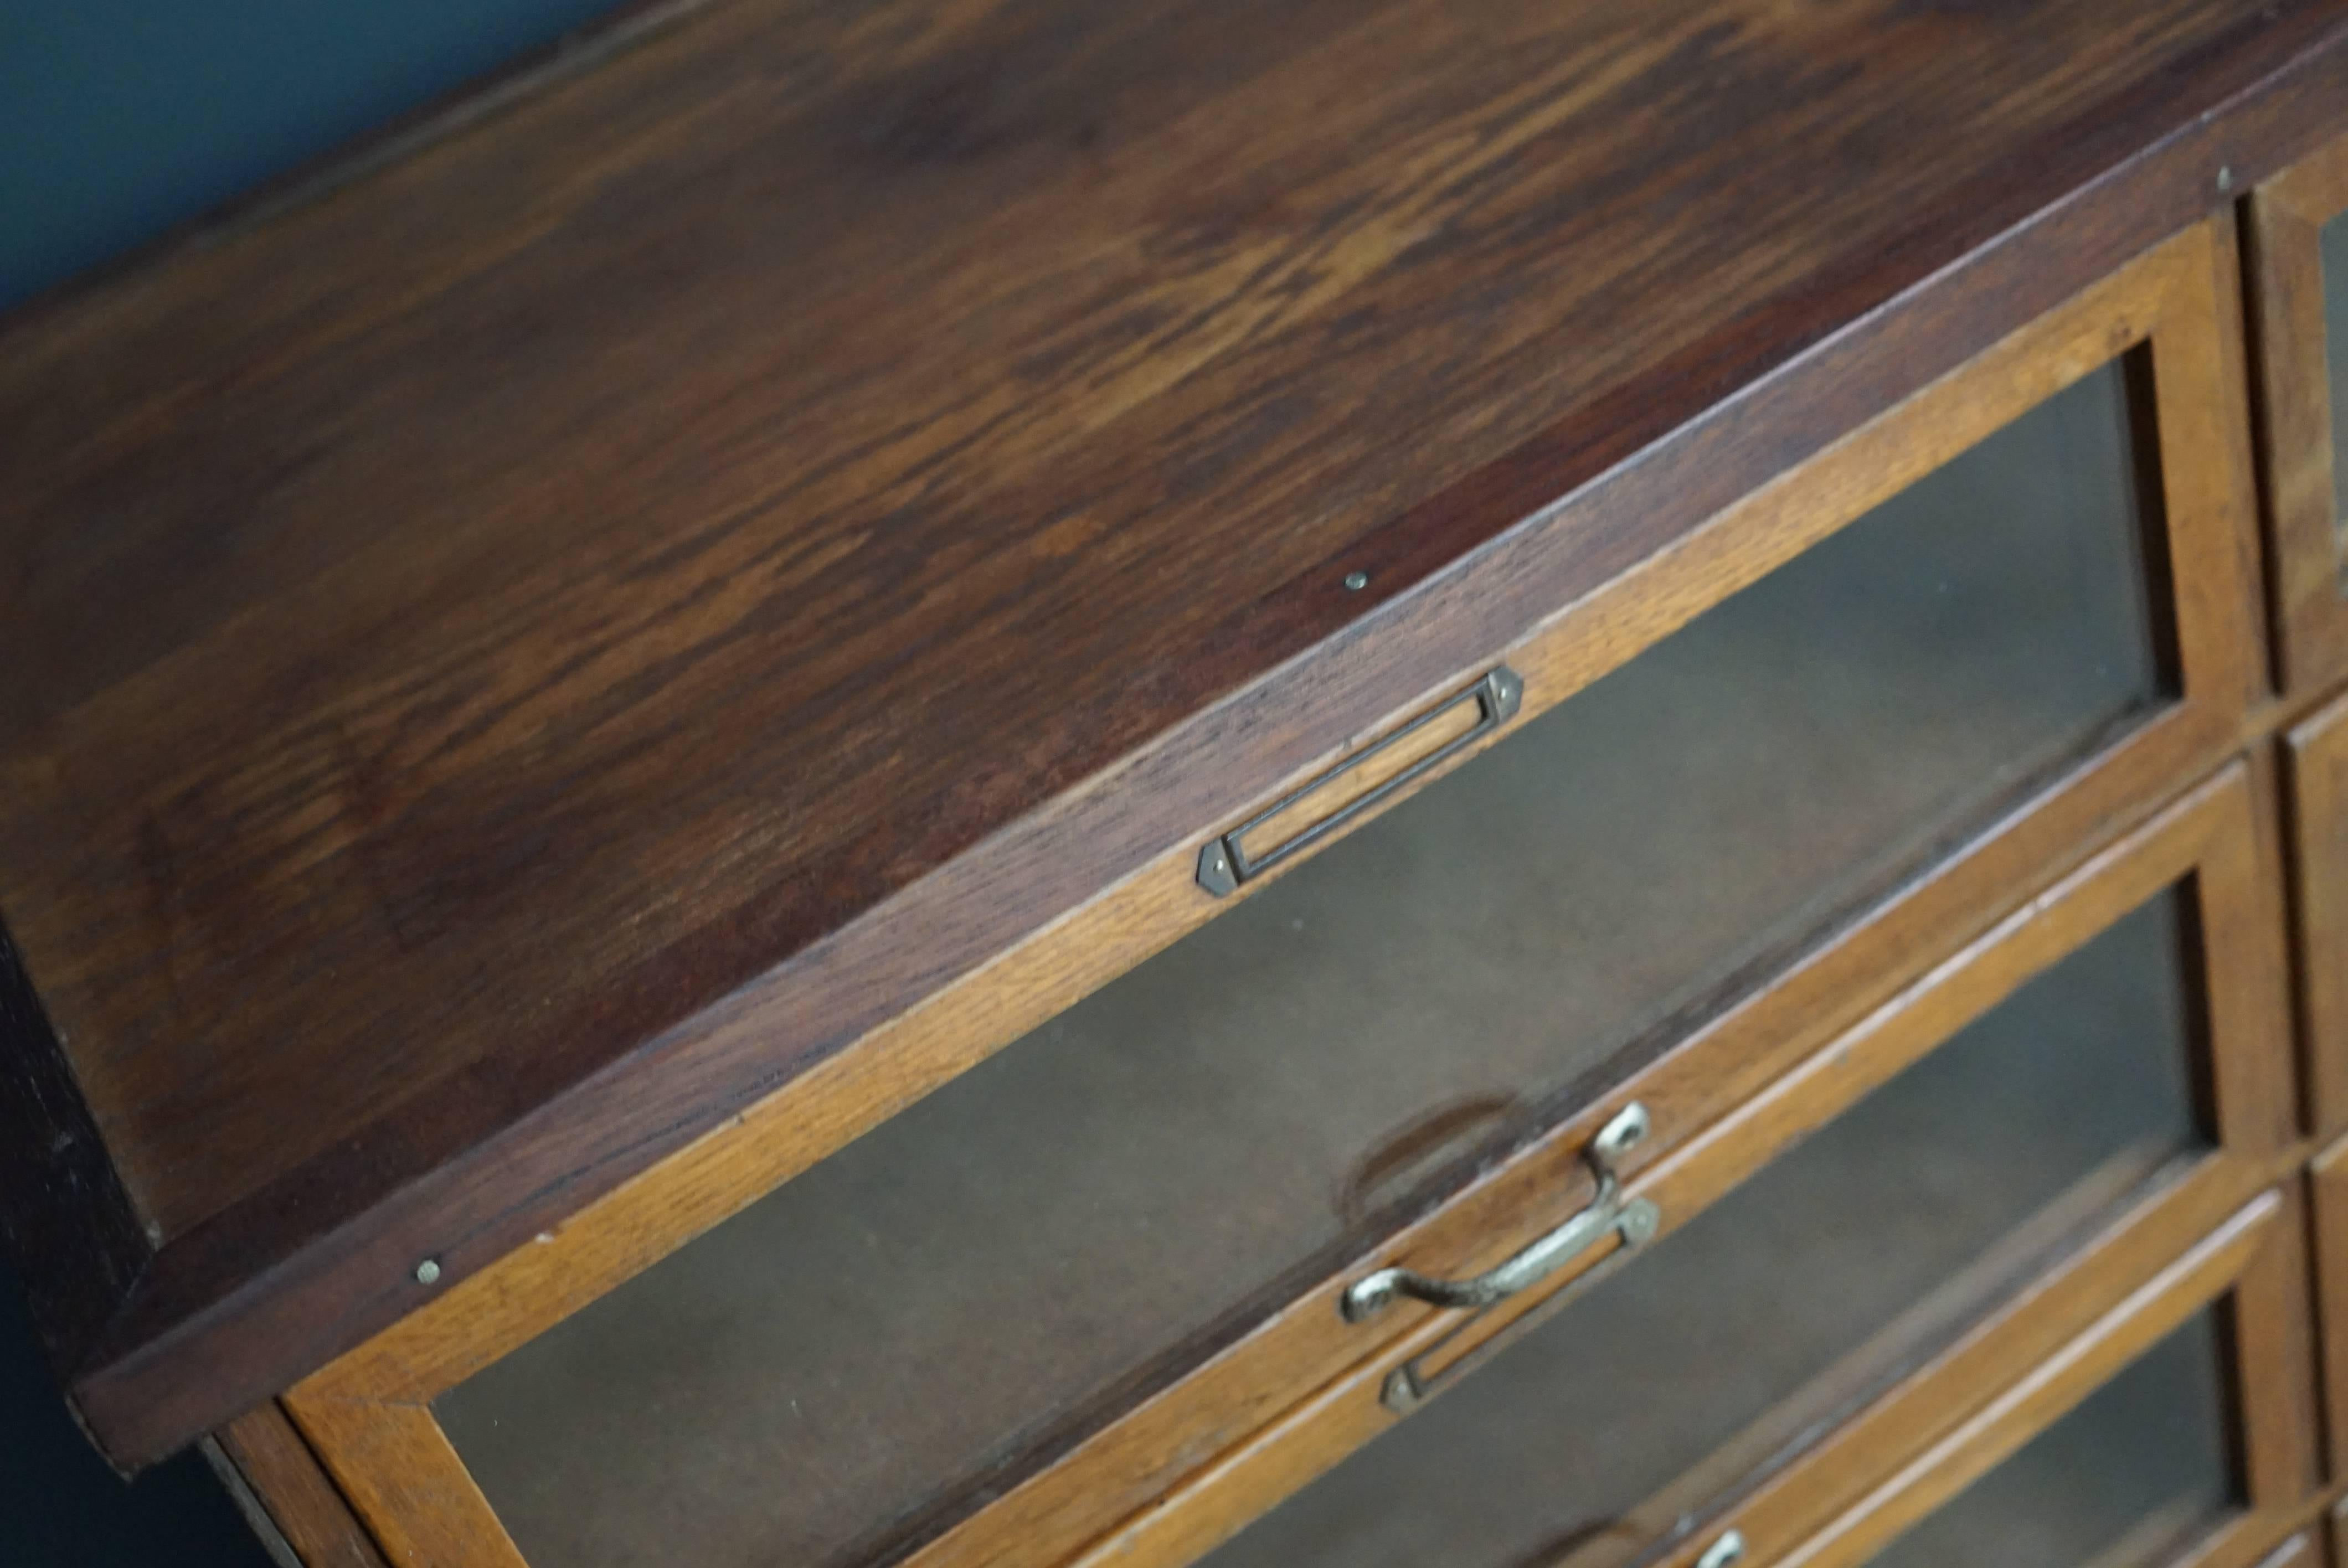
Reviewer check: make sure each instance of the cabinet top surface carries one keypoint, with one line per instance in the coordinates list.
(467, 621)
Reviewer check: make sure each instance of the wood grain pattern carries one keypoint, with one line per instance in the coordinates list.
(399, 1472)
(514, 660)
(2168, 300)
(303, 1503)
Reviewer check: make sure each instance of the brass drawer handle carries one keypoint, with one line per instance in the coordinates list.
(1636, 1220)
(1314, 809)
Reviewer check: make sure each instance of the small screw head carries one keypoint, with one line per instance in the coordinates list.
(1624, 1129)
(1356, 580)
(428, 1272)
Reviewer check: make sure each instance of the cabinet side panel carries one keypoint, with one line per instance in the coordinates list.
(66, 1219)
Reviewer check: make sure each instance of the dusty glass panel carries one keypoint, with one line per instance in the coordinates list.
(2334, 246)
(1712, 1360)
(2128, 1480)
(936, 1306)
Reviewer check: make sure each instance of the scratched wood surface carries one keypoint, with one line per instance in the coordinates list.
(751, 529)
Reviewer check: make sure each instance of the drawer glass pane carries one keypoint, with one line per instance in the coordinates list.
(1711, 1359)
(1003, 1265)
(2334, 247)
(2129, 1479)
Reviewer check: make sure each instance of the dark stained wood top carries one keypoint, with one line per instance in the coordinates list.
(690, 540)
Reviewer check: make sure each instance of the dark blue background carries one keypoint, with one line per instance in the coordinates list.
(118, 120)
(61, 1507)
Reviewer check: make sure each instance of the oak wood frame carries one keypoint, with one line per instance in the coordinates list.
(2317, 753)
(2209, 840)
(2327, 1181)
(367, 1414)
(2310, 556)
(2302, 1551)
(2260, 1257)
(300, 1498)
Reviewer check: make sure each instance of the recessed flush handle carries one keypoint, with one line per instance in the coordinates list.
(1636, 1220)
(1324, 804)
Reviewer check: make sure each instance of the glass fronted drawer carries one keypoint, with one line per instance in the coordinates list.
(1802, 1293)
(2131, 1479)
(1660, 849)
(2164, 1435)
(2079, 1113)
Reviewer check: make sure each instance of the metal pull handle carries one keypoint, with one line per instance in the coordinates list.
(1636, 1220)
(1314, 809)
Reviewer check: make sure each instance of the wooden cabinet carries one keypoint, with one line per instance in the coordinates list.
(1019, 808)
